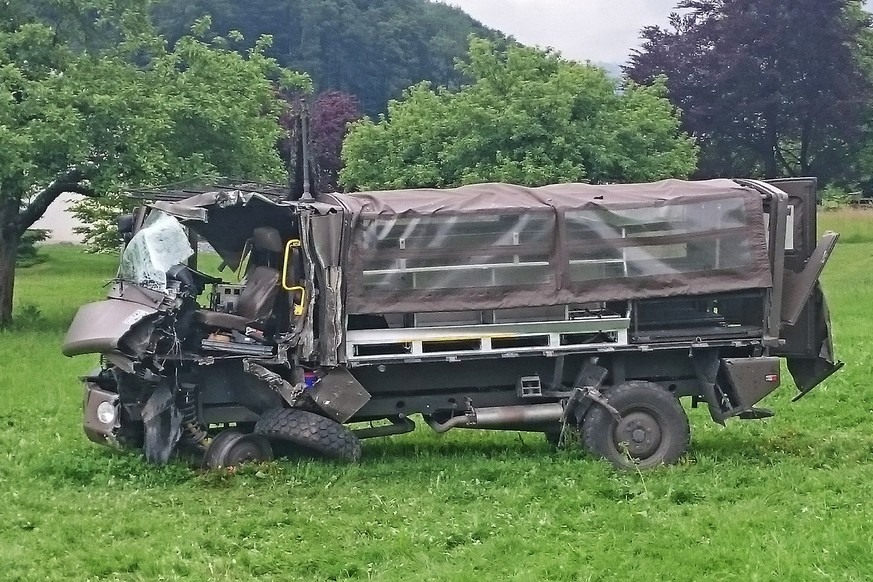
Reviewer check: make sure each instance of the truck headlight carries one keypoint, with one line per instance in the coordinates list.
(107, 412)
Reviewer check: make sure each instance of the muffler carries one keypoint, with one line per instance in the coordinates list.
(503, 417)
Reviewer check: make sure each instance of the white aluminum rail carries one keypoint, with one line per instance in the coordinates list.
(497, 339)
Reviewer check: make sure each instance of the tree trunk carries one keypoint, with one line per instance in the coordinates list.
(8, 255)
(14, 220)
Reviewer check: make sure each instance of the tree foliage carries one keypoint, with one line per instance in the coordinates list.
(767, 88)
(78, 118)
(28, 253)
(528, 117)
(332, 112)
(371, 49)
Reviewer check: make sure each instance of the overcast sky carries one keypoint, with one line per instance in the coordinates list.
(596, 30)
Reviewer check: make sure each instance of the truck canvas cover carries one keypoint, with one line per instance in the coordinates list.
(496, 246)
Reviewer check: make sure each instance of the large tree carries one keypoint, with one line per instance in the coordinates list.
(76, 117)
(528, 117)
(372, 49)
(332, 112)
(769, 88)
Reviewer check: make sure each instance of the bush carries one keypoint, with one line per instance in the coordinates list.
(832, 197)
(28, 254)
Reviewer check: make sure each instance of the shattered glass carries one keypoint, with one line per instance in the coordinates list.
(161, 243)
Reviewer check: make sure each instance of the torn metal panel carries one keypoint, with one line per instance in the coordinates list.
(326, 233)
(339, 394)
(98, 327)
(706, 364)
(331, 340)
(306, 327)
(814, 368)
(135, 294)
(163, 425)
(227, 219)
(799, 286)
(288, 392)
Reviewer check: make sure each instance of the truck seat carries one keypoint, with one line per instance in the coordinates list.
(258, 297)
(256, 301)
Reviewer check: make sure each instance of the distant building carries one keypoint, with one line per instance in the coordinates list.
(60, 221)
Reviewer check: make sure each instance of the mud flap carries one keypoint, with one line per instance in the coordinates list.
(339, 394)
(163, 425)
(706, 365)
(810, 372)
(799, 287)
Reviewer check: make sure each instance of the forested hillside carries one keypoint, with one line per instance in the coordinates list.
(372, 49)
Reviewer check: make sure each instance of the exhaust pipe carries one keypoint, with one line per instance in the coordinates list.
(516, 417)
(399, 425)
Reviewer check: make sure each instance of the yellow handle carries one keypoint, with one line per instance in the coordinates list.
(298, 307)
(294, 243)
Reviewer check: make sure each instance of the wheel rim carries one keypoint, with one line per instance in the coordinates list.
(249, 448)
(232, 447)
(639, 433)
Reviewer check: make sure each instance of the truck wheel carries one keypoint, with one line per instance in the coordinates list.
(571, 436)
(652, 429)
(309, 432)
(553, 437)
(231, 448)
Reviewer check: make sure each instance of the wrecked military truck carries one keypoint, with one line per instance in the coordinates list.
(491, 306)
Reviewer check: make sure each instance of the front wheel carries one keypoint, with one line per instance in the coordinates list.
(652, 428)
(293, 430)
(232, 447)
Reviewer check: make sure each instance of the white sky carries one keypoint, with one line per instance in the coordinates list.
(596, 30)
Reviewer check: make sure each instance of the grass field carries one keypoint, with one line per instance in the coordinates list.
(785, 498)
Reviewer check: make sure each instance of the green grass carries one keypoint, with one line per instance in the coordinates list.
(854, 224)
(786, 498)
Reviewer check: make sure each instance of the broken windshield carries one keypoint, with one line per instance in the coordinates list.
(161, 243)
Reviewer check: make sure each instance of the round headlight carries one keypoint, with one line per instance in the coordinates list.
(107, 412)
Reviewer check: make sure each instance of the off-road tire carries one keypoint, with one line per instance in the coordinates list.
(650, 416)
(572, 437)
(308, 432)
(553, 437)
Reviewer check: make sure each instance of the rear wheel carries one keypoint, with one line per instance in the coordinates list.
(291, 430)
(652, 428)
(563, 436)
(231, 448)
(553, 437)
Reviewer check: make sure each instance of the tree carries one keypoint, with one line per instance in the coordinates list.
(332, 113)
(79, 119)
(371, 49)
(528, 117)
(767, 88)
(328, 120)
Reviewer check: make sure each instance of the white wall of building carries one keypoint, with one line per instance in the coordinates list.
(60, 220)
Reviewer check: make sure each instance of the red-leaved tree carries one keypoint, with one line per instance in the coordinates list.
(331, 114)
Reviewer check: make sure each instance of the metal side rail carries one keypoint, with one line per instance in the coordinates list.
(500, 339)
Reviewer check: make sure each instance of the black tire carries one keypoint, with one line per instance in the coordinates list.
(571, 436)
(231, 448)
(553, 437)
(653, 429)
(309, 432)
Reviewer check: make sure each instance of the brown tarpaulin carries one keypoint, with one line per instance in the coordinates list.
(495, 246)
